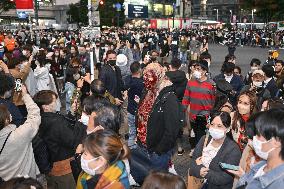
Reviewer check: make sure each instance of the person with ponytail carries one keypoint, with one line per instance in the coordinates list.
(102, 162)
(246, 104)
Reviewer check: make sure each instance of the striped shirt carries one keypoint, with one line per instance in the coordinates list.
(200, 96)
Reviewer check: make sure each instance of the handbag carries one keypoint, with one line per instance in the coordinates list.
(194, 182)
(75, 164)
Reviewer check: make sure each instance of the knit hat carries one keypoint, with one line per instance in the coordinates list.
(121, 60)
(258, 72)
(203, 64)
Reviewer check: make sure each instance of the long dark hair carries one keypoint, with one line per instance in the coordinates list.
(237, 116)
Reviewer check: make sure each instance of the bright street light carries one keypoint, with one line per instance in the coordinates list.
(217, 14)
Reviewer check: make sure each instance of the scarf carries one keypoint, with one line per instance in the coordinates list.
(154, 81)
(114, 177)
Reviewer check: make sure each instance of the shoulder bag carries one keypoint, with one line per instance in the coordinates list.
(194, 182)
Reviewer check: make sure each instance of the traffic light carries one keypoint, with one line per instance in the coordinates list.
(102, 2)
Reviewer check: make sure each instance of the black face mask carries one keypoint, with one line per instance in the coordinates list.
(111, 62)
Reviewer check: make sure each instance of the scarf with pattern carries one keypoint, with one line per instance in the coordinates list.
(154, 81)
(114, 177)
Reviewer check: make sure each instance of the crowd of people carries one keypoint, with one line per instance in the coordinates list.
(111, 112)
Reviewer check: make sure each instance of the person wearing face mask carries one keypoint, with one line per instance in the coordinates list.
(214, 149)
(123, 47)
(102, 162)
(84, 56)
(61, 140)
(257, 86)
(17, 157)
(269, 82)
(227, 73)
(267, 144)
(158, 124)
(98, 54)
(194, 48)
(200, 96)
(136, 52)
(254, 65)
(110, 75)
(59, 70)
(246, 104)
(183, 47)
(164, 50)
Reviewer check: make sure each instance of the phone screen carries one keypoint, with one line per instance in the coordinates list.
(229, 166)
(18, 85)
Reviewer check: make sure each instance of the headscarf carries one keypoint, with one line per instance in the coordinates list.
(154, 81)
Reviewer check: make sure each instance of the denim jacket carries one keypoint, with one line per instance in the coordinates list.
(273, 179)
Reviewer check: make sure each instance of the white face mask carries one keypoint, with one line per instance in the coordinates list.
(216, 133)
(228, 78)
(197, 74)
(243, 110)
(85, 119)
(257, 84)
(257, 145)
(86, 168)
(24, 52)
(253, 69)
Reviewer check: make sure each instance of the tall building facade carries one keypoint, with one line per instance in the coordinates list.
(225, 10)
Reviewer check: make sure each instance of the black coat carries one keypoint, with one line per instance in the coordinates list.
(60, 135)
(112, 80)
(163, 124)
(179, 80)
(217, 177)
(272, 87)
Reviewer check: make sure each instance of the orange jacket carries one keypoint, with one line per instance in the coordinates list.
(9, 43)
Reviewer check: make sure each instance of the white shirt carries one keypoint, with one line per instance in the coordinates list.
(267, 81)
(97, 52)
(209, 152)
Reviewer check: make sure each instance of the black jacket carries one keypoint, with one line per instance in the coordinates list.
(272, 87)
(112, 80)
(134, 86)
(60, 135)
(179, 80)
(163, 124)
(217, 177)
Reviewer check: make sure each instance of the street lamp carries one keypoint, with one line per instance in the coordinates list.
(217, 10)
(174, 7)
(231, 15)
(252, 17)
